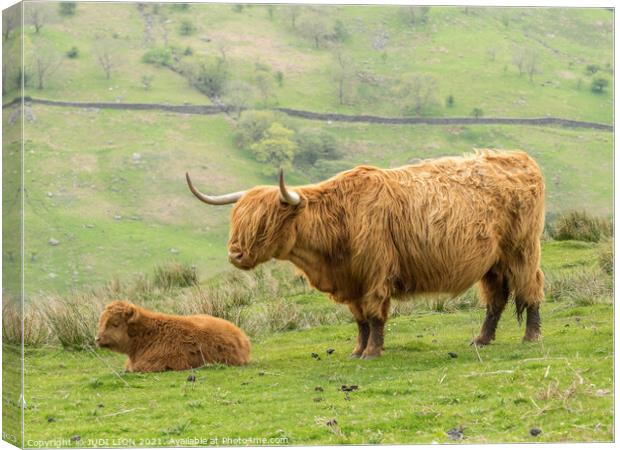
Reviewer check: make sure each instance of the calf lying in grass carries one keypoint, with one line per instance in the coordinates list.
(156, 342)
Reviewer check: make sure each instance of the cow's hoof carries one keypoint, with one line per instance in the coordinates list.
(533, 337)
(481, 341)
(368, 356)
(355, 355)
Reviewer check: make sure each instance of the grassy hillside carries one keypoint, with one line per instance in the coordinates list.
(116, 216)
(108, 185)
(470, 53)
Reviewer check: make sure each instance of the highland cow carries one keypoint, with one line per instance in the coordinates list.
(156, 342)
(368, 235)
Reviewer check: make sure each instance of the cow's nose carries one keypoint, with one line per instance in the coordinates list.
(235, 255)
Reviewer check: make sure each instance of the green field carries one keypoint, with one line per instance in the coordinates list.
(416, 392)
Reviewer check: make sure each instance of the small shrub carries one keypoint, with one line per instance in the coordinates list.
(580, 226)
(188, 51)
(34, 332)
(180, 6)
(477, 112)
(279, 76)
(175, 274)
(252, 127)
(599, 84)
(161, 56)
(147, 81)
(315, 144)
(591, 69)
(187, 28)
(450, 101)
(73, 52)
(67, 9)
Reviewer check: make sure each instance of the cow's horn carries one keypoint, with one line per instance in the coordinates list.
(290, 197)
(213, 199)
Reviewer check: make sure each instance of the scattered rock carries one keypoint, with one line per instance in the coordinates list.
(174, 251)
(191, 378)
(89, 225)
(318, 389)
(76, 438)
(317, 399)
(535, 431)
(345, 388)
(453, 355)
(53, 242)
(117, 217)
(50, 194)
(330, 351)
(315, 356)
(136, 157)
(455, 434)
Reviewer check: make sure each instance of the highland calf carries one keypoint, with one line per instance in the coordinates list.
(368, 235)
(156, 342)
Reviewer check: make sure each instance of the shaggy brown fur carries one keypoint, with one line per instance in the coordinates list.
(156, 342)
(367, 235)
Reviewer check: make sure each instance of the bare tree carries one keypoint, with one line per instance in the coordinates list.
(45, 61)
(343, 73)
(292, 12)
(418, 94)
(518, 59)
(239, 95)
(531, 64)
(9, 21)
(104, 52)
(223, 49)
(37, 15)
(315, 28)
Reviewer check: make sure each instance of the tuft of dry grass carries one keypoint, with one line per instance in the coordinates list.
(587, 286)
(581, 226)
(606, 256)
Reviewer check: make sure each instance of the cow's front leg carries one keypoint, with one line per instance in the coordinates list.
(375, 340)
(377, 316)
(363, 331)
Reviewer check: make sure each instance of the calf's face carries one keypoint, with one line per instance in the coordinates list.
(114, 323)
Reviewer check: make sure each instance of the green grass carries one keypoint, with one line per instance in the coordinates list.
(415, 393)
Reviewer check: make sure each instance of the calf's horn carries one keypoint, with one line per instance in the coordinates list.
(213, 199)
(290, 197)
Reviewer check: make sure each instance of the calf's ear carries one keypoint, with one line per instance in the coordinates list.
(131, 314)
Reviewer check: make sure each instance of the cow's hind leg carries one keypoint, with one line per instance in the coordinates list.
(377, 315)
(363, 330)
(494, 291)
(528, 297)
